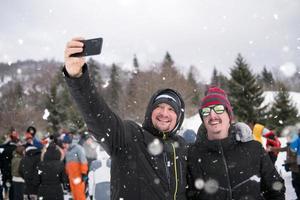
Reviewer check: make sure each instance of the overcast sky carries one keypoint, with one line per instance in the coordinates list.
(203, 33)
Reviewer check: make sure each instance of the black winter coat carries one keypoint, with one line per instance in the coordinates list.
(135, 173)
(6, 155)
(52, 176)
(28, 169)
(227, 169)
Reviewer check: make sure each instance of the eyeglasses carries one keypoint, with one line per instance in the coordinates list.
(219, 109)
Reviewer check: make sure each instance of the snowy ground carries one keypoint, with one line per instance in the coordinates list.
(290, 193)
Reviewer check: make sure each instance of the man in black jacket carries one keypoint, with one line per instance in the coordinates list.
(222, 168)
(6, 155)
(148, 161)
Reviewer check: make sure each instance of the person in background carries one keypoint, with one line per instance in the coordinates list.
(295, 148)
(257, 130)
(89, 145)
(220, 167)
(52, 173)
(272, 140)
(28, 170)
(17, 180)
(189, 136)
(6, 155)
(76, 166)
(99, 176)
(31, 132)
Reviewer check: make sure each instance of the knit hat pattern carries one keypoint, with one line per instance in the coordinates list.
(216, 96)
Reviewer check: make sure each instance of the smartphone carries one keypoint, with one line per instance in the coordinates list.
(91, 47)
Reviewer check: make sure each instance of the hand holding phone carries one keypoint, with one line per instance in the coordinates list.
(90, 47)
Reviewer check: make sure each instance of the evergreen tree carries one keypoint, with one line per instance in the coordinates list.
(18, 90)
(136, 65)
(266, 79)
(218, 79)
(169, 73)
(94, 73)
(215, 78)
(55, 109)
(63, 112)
(132, 89)
(196, 91)
(224, 82)
(245, 94)
(114, 88)
(168, 61)
(283, 111)
(132, 86)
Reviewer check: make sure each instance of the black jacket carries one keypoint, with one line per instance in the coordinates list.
(28, 169)
(6, 155)
(135, 173)
(51, 174)
(227, 169)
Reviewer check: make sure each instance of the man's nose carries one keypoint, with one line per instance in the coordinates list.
(212, 113)
(164, 111)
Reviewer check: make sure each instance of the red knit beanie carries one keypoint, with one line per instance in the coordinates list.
(216, 96)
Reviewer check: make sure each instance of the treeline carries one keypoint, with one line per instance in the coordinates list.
(40, 97)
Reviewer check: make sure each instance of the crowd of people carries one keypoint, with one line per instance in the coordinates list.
(48, 168)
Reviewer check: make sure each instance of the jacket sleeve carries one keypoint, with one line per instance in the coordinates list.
(82, 160)
(106, 126)
(271, 182)
(294, 145)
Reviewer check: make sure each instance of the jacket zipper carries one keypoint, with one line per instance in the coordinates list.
(226, 170)
(175, 172)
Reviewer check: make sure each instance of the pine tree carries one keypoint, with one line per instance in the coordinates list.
(133, 81)
(19, 95)
(215, 78)
(136, 65)
(132, 88)
(94, 73)
(218, 79)
(196, 91)
(283, 111)
(63, 112)
(55, 109)
(266, 79)
(169, 73)
(224, 82)
(245, 94)
(114, 88)
(168, 61)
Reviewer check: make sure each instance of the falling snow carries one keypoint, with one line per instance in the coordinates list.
(46, 114)
(155, 147)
